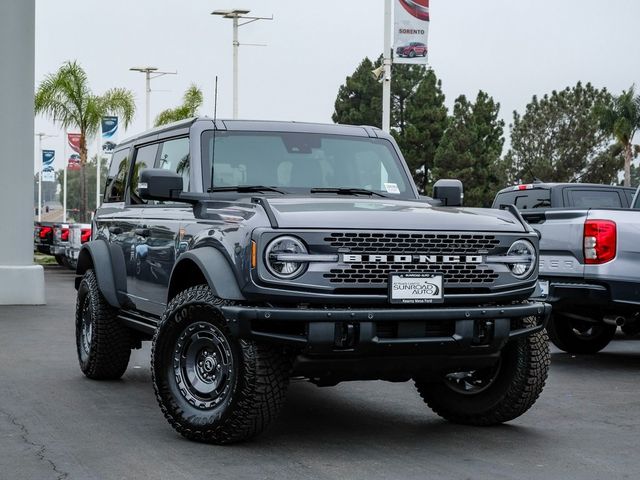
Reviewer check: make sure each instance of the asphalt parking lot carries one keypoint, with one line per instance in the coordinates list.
(56, 424)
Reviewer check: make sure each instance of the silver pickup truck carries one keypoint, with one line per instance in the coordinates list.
(589, 259)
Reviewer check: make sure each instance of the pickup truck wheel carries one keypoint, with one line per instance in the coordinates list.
(211, 386)
(60, 260)
(102, 342)
(575, 336)
(496, 394)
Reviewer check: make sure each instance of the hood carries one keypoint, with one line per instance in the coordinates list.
(386, 214)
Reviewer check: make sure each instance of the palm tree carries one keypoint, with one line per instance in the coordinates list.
(621, 119)
(65, 97)
(191, 102)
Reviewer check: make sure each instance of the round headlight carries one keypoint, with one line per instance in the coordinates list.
(285, 269)
(525, 262)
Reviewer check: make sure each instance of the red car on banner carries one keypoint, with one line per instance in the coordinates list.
(74, 162)
(413, 49)
(417, 8)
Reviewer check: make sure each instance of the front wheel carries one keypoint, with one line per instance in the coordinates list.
(578, 336)
(211, 386)
(496, 394)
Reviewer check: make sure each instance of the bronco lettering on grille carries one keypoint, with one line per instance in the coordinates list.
(357, 258)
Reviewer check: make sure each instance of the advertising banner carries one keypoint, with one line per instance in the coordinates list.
(73, 140)
(48, 173)
(411, 30)
(109, 134)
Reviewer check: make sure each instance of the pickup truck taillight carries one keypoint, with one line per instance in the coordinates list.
(85, 235)
(44, 231)
(64, 235)
(600, 239)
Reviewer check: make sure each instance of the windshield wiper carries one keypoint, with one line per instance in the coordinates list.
(245, 189)
(347, 191)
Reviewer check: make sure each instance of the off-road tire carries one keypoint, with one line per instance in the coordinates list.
(563, 336)
(109, 347)
(60, 260)
(523, 370)
(256, 392)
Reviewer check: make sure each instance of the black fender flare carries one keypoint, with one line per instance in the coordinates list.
(107, 260)
(214, 267)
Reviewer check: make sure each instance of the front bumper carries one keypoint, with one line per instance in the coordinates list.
(389, 331)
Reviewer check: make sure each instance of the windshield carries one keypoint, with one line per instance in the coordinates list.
(300, 162)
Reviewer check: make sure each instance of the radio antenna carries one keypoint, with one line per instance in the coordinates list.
(215, 129)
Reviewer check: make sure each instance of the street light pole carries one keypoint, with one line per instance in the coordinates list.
(235, 67)
(386, 79)
(235, 15)
(149, 74)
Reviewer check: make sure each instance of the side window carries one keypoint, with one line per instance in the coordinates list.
(145, 157)
(117, 177)
(174, 156)
(595, 199)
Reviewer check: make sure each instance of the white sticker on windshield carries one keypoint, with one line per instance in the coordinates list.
(391, 188)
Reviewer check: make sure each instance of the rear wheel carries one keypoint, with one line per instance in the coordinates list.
(102, 342)
(211, 386)
(60, 260)
(496, 394)
(578, 336)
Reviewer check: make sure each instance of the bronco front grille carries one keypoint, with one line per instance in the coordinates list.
(433, 243)
(378, 273)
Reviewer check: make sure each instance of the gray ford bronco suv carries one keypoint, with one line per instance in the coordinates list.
(253, 252)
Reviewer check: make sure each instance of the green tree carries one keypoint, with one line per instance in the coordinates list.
(558, 139)
(405, 81)
(359, 100)
(471, 147)
(426, 120)
(74, 200)
(620, 118)
(191, 101)
(66, 98)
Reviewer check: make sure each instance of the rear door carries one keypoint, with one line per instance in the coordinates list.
(131, 234)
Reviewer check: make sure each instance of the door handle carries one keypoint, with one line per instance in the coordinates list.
(143, 232)
(115, 230)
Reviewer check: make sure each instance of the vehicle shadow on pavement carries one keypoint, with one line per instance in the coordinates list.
(347, 413)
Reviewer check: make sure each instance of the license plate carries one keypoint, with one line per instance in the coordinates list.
(415, 288)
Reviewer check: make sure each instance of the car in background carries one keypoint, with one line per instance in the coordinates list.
(59, 243)
(79, 234)
(411, 50)
(43, 237)
(589, 249)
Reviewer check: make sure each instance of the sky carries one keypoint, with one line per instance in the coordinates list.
(511, 49)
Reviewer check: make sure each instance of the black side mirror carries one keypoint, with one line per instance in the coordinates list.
(449, 192)
(159, 184)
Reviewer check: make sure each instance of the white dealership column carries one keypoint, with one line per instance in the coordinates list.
(21, 282)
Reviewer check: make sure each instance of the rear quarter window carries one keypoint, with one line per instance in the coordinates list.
(594, 199)
(524, 199)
